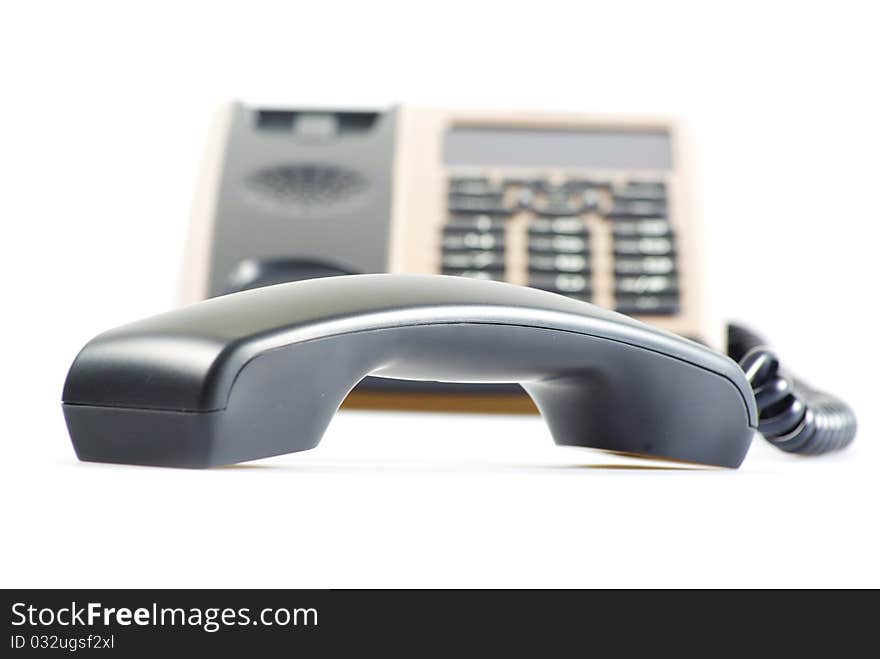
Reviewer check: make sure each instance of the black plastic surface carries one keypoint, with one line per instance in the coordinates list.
(286, 193)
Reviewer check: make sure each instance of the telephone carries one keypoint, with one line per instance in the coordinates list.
(261, 372)
(592, 208)
(471, 213)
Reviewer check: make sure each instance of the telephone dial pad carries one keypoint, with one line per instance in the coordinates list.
(559, 248)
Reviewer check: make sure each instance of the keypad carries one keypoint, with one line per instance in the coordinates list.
(559, 255)
(645, 273)
(474, 246)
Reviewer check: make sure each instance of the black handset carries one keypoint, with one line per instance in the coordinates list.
(262, 372)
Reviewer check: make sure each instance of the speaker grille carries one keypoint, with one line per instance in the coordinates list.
(305, 186)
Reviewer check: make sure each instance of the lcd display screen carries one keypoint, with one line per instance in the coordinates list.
(586, 149)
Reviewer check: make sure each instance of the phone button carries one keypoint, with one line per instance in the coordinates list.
(648, 304)
(559, 244)
(474, 260)
(652, 226)
(560, 201)
(475, 223)
(573, 285)
(638, 208)
(647, 265)
(480, 240)
(581, 184)
(564, 225)
(646, 284)
(641, 191)
(536, 184)
(472, 185)
(490, 204)
(646, 246)
(489, 275)
(559, 263)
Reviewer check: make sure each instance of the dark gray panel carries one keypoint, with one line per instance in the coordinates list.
(304, 186)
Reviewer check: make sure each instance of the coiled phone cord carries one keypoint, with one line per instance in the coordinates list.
(793, 416)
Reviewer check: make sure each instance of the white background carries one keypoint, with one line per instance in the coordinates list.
(103, 119)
